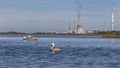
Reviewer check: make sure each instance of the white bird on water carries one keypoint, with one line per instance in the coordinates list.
(53, 48)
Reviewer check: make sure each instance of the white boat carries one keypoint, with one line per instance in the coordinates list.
(31, 38)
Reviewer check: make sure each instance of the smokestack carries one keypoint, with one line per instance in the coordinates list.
(69, 26)
(74, 26)
(78, 12)
(113, 19)
(104, 29)
(69, 30)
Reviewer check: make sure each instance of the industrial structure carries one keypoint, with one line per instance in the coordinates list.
(79, 29)
(104, 28)
(113, 19)
(74, 31)
(70, 30)
(79, 26)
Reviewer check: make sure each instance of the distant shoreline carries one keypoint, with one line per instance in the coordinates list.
(43, 33)
(54, 33)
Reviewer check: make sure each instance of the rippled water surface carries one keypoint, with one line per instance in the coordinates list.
(76, 52)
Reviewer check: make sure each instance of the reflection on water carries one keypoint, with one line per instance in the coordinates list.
(76, 52)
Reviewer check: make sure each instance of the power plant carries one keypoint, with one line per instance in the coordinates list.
(79, 29)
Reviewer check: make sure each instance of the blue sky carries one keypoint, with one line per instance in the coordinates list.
(54, 15)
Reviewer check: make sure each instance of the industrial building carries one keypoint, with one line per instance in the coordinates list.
(79, 29)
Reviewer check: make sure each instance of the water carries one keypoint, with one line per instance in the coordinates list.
(76, 52)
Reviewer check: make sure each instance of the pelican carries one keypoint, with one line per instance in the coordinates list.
(53, 48)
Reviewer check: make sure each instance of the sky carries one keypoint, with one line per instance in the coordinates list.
(55, 15)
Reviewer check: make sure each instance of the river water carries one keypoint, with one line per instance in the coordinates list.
(76, 52)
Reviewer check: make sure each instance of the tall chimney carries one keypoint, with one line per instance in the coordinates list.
(104, 29)
(113, 19)
(69, 26)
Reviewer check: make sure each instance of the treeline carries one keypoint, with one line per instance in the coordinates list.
(109, 32)
(98, 33)
(13, 32)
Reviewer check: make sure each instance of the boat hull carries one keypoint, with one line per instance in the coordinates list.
(31, 39)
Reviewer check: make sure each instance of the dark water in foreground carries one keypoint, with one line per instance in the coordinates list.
(76, 52)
